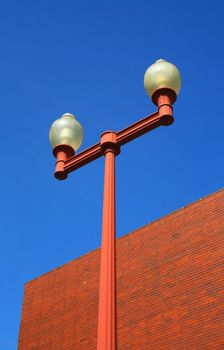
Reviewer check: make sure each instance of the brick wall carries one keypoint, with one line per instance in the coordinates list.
(170, 281)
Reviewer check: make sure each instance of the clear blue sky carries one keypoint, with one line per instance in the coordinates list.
(89, 58)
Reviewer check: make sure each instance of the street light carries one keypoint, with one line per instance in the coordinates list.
(162, 82)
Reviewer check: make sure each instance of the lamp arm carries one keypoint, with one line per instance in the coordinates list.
(83, 158)
(123, 136)
(139, 128)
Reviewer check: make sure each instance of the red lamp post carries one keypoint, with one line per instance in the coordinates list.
(162, 82)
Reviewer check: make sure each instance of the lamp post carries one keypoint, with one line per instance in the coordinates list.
(162, 82)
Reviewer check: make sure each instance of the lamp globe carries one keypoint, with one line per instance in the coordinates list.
(162, 74)
(66, 131)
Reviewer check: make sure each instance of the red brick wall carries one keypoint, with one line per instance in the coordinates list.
(170, 281)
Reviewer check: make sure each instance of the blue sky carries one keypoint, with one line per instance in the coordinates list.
(89, 58)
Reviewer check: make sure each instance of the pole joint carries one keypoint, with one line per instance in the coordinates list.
(108, 142)
(62, 153)
(164, 98)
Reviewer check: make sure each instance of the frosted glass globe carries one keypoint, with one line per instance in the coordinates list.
(66, 131)
(162, 74)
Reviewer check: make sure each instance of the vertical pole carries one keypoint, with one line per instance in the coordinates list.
(107, 293)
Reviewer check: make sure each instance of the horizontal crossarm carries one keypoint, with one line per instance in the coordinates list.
(139, 128)
(83, 158)
(123, 136)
